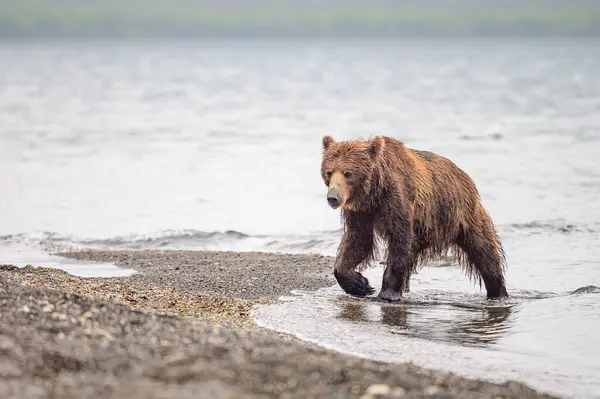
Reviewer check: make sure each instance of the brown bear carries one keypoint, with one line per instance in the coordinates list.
(420, 203)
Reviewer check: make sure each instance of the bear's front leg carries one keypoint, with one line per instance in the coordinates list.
(397, 271)
(356, 247)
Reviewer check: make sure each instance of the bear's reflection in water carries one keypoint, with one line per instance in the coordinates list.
(454, 324)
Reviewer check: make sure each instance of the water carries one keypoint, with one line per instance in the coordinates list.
(544, 339)
(216, 145)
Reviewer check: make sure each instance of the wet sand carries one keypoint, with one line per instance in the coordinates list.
(181, 328)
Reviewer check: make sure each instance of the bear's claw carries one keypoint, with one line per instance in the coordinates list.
(353, 283)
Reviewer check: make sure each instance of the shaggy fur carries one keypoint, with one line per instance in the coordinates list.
(420, 203)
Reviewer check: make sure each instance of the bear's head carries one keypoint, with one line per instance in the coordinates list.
(347, 170)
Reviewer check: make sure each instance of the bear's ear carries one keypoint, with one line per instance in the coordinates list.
(327, 141)
(375, 147)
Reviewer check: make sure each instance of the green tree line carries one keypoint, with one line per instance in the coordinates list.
(211, 18)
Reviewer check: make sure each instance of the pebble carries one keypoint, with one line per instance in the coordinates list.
(48, 308)
(376, 390)
(432, 390)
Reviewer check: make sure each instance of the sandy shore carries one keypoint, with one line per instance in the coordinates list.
(181, 328)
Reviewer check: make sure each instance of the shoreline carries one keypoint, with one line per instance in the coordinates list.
(181, 326)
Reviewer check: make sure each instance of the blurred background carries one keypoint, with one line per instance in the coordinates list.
(198, 124)
(264, 18)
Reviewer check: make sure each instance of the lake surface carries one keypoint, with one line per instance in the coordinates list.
(217, 145)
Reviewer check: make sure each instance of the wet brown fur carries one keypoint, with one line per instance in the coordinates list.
(419, 203)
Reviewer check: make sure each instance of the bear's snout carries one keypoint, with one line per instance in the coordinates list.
(334, 198)
(337, 193)
(334, 202)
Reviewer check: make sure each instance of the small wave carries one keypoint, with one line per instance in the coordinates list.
(492, 136)
(56, 242)
(557, 226)
(167, 237)
(323, 242)
(589, 289)
(464, 300)
(190, 239)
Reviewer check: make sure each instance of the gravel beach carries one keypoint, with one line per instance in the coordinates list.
(181, 328)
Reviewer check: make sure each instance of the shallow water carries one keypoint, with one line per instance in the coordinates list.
(21, 253)
(544, 339)
(216, 145)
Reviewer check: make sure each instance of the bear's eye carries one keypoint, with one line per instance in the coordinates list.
(348, 175)
(328, 175)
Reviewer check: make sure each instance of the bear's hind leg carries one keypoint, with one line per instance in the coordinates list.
(485, 259)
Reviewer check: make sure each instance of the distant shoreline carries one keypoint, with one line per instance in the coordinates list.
(286, 40)
(264, 18)
(284, 35)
